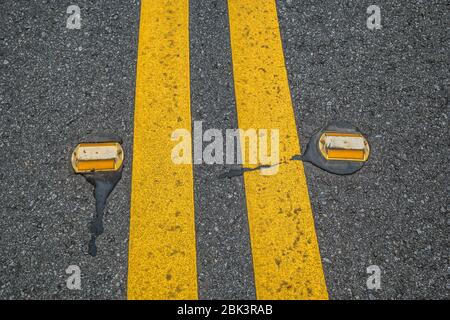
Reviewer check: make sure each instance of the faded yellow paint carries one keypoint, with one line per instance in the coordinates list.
(162, 253)
(286, 257)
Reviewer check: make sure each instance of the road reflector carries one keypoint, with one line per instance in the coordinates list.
(97, 157)
(339, 148)
(344, 146)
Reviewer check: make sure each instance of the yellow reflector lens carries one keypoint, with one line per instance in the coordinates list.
(94, 157)
(344, 146)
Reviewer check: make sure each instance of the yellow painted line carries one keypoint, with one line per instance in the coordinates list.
(162, 250)
(286, 258)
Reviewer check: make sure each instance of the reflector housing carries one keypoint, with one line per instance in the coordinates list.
(344, 146)
(97, 157)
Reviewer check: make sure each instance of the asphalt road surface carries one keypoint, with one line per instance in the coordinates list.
(58, 85)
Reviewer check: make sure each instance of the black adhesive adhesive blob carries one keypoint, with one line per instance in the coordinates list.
(314, 156)
(104, 183)
(239, 172)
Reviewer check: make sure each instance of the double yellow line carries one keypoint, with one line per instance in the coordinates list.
(162, 250)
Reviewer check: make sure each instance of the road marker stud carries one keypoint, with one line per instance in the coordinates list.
(97, 157)
(344, 146)
(339, 148)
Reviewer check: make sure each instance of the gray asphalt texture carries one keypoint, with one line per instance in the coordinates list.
(59, 85)
(393, 84)
(223, 243)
